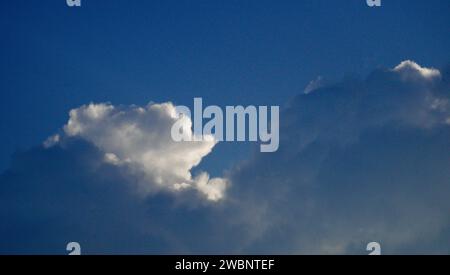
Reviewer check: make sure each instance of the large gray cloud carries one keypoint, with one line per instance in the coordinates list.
(65, 193)
(359, 161)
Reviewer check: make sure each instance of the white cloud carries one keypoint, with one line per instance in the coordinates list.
(213, 189)
(139, 140)
(409, 68)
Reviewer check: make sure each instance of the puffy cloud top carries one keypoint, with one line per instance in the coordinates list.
(410, 68)
(138, 139)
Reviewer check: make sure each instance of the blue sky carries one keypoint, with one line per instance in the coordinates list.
(54, 59)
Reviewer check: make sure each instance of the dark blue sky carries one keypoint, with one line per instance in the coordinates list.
(55, 58)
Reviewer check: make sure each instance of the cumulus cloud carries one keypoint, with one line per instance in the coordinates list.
(359, 161)
(138, 140)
